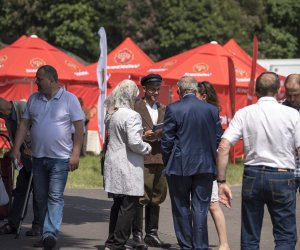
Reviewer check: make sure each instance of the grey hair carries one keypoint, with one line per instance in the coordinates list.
(187, 83)
(123, 96)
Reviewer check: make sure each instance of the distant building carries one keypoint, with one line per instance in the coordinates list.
(282, 67)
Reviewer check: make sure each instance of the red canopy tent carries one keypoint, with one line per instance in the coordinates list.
(20, 61)
(243, 72)
(207, 62)
(213, 63)
(242, 64)
(122, 62)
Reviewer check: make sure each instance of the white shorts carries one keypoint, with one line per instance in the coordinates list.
(215, 192)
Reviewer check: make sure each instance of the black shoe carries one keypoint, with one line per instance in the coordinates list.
(139, 243)
(33, 232)
(49, 242)
(154, 241)
(7, 229)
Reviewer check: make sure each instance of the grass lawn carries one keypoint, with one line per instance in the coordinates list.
(88, 175)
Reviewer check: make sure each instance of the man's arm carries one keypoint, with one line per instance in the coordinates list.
(78, 137)
(19, 138)
(168, 135)
(225, 195)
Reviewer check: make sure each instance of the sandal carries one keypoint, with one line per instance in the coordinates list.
(7, 229)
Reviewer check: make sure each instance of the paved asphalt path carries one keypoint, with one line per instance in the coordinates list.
(86, 216)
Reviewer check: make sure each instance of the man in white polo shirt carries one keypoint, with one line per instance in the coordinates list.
(50, 114)
(271, 135)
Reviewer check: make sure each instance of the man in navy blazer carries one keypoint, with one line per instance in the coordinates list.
(189, 144)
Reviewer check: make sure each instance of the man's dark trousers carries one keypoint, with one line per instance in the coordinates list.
(19, 195)
(190, 197)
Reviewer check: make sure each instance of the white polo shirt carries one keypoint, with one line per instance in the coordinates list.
(51, 123)
(270, 131)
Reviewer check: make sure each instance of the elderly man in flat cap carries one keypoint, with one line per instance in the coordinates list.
(152, 113)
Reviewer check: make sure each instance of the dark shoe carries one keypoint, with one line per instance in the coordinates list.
(7, 229)
(152, 240)
(49, 242)
(38, 244)
(139, 243)
(33, 232)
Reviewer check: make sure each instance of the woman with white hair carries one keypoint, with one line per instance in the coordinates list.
(124, 161)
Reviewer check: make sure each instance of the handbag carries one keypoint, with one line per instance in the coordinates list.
(4, 199)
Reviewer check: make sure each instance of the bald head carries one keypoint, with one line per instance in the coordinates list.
(5, 108)
(292, 90)
(267, 84)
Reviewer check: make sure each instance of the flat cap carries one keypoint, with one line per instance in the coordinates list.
(154, 80)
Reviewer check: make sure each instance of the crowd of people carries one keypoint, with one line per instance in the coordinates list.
(151, 148)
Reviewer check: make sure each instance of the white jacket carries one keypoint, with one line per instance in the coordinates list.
(124, 161)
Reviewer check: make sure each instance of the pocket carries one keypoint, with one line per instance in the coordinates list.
(247, 187)
(283, 191)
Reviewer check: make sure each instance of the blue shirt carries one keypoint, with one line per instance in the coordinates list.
(51, 123)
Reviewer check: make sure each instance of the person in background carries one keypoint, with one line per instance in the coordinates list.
(124, 161)
(292, 93)
(271, 136)
(11, 112)
(189, 144)
(152, 113)
(50, 114)
(207, 93)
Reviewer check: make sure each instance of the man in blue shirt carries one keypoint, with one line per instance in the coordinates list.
(51, 113)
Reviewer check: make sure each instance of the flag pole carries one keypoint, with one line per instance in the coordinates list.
(102, 81)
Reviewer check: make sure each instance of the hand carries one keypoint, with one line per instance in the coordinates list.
(149, 135)
(225, 195)
(15, 154)
(73, 162)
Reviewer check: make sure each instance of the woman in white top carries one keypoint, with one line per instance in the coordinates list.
(124, 161)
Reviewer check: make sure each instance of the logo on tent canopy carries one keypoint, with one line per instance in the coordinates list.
(124, 56)
(200, 68)
(37, 62)
(241, 75)
(169, 64)
(3, 58)
(71, 65)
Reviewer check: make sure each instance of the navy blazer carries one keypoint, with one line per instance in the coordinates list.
(191, 132)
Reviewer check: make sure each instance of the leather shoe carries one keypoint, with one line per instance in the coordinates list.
(49, 242)
(152, 240)
(7, 229)
(138, 242)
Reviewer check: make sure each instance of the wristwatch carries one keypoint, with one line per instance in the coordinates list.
(221, 181)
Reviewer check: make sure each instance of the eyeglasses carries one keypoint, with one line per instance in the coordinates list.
(153, 90)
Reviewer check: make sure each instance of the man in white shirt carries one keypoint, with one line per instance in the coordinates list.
(271, 133)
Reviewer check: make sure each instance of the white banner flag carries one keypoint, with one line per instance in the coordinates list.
(102, 81)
